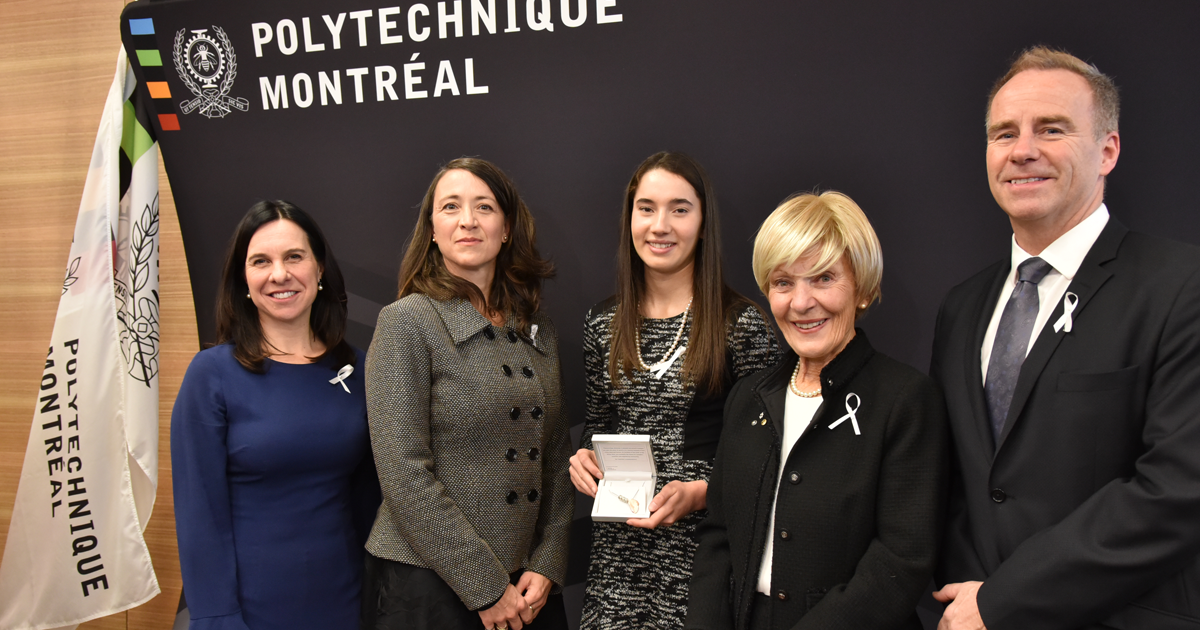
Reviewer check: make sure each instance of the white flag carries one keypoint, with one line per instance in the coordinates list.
(75, 550)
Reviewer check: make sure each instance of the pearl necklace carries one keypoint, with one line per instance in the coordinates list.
(637, 337)
(796, 390)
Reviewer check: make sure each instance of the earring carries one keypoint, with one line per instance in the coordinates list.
(247, 295)
(505, 239)
(434, 239)
(320, 286)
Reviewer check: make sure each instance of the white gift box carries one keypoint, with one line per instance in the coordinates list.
(629, 477)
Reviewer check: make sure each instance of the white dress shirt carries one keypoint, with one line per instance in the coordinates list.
(1065, 255)
(798, 413)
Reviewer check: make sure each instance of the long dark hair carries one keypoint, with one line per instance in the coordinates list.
(237, 316)
(714, 304)
(517, 285)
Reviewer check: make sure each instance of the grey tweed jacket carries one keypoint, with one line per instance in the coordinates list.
(471, 444)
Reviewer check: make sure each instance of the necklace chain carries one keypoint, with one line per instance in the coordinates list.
(796, 390)
(637, 336)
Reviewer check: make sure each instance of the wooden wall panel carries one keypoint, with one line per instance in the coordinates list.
(57, 59)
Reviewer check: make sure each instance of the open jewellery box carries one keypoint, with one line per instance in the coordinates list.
(629, 477)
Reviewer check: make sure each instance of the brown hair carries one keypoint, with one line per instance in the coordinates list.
(714, 304)
(237, 316)
(1106, 103)
(520, 270)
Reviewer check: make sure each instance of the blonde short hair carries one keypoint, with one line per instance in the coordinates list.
(828, 225)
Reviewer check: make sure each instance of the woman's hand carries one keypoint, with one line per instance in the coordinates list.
(535, 588)
(585, 470)
(677, 500)
(510, 612)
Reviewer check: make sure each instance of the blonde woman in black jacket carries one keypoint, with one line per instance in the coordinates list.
(827, 494)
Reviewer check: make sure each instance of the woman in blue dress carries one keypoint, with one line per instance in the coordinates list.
(273, 477)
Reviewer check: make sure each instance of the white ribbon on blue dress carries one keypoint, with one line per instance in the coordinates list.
(343, 374)
(850, 413)
(1070, 300)
(658, 369)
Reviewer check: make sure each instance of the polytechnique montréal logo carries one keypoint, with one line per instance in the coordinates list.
(207, 66)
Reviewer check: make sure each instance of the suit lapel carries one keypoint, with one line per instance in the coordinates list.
(460, 317)
(972, 368)
(1087, 282)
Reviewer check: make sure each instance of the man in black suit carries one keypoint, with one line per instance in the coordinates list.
(1072, 377)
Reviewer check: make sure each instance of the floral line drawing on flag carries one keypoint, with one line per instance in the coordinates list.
(138, 314)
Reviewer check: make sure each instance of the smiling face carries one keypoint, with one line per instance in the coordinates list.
(1045, 166)
(282, 275)
(814, 312)
(666, 222)
(469, 227)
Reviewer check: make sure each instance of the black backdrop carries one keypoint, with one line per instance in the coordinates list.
(881, 100)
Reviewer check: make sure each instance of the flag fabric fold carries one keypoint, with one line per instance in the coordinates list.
(75, 549)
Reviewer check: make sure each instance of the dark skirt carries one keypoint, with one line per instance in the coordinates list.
(398, 596)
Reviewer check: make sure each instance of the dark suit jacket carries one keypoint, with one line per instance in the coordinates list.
(1087, 515)
(857, 518)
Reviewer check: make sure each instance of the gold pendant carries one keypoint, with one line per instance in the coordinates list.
(632, 503)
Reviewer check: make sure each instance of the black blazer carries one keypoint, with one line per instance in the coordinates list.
(857, 519)
(1088, 513)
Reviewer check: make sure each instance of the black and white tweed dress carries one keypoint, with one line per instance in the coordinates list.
(638, 578)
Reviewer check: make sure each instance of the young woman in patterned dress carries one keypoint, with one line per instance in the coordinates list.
(660, 357)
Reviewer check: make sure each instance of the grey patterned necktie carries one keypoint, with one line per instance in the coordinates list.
(1012, 338)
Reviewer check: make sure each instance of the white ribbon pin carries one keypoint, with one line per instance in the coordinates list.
(850, 413)
(661, 368)
(533, 335)
(1070, 300)
(343, 374)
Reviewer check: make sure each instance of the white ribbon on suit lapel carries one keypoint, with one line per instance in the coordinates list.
(1070, 300)
(850, 413)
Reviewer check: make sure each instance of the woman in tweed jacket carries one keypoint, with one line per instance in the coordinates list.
(466, 416)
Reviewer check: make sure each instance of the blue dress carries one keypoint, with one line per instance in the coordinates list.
(275, 489)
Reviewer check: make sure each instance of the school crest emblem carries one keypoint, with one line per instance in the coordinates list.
(207, 65)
